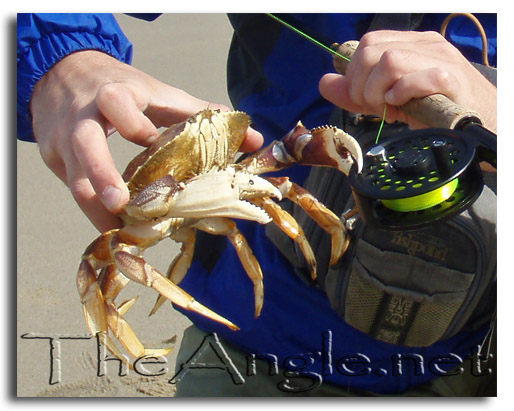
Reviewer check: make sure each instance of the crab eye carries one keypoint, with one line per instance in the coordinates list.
(250, 182)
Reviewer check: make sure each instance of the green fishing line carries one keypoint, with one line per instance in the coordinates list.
(381, 124)
(305, 35)
(331, 51)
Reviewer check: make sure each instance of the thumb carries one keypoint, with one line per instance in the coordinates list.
(170, 105)
(334, 88)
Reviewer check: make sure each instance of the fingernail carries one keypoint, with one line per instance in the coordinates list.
(152, 138)
(389, 97)
(111, 198)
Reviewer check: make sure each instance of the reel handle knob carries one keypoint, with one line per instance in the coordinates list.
(436, 110)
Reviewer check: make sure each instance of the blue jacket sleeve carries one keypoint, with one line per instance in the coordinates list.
(44, 39)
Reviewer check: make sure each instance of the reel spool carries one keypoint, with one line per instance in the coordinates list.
(420, 177)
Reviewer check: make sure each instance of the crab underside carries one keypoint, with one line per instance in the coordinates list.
(188, 180)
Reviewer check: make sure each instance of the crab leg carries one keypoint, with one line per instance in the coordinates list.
(98, 294)
(111, 283)
(94, 306)
(287, 223)
(227, 227)
(323, 216)
(96, 256)
(137, 269)
(179, 266)
(186, 236)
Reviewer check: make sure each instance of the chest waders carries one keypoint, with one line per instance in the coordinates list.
(410, 288)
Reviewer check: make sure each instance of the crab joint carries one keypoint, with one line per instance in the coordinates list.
(137, 269)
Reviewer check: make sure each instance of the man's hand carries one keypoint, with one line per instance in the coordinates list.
(392, 67)
(81, 101)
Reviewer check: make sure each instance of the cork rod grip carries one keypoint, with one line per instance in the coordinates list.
(436, 110)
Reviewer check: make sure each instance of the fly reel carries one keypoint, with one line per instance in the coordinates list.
(422, 177)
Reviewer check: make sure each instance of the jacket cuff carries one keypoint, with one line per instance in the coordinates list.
(42, 55)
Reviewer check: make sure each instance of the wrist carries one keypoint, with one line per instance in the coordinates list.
(46, 39)
(71, 78)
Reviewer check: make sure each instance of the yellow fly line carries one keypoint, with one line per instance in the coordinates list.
(423, 201)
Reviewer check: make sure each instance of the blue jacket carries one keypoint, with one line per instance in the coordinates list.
(296, 318)
(44, 39)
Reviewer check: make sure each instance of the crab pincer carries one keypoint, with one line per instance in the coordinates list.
(171, 196)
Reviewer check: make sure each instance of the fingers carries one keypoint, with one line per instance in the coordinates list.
(336, 89)
(90, 148)
(379, 68)
(124, 110)
(252, 142)
(90, 204)
(170, 105)
(420, 84)
(92, 177)
(86, 97)
(391, 67)
(91, 174)
(86, 197)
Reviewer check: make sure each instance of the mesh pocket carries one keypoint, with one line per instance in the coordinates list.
(395, 318)
(362, 303)
(432, 320)
(418, 287)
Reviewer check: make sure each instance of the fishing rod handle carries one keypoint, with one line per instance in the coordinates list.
(436, 110)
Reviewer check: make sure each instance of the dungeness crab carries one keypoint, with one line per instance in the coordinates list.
(171, 195)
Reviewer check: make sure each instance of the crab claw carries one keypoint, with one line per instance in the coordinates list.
(326, 146)
(228, 189)
(252, 186)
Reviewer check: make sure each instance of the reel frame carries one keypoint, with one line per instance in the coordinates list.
(422, 177)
